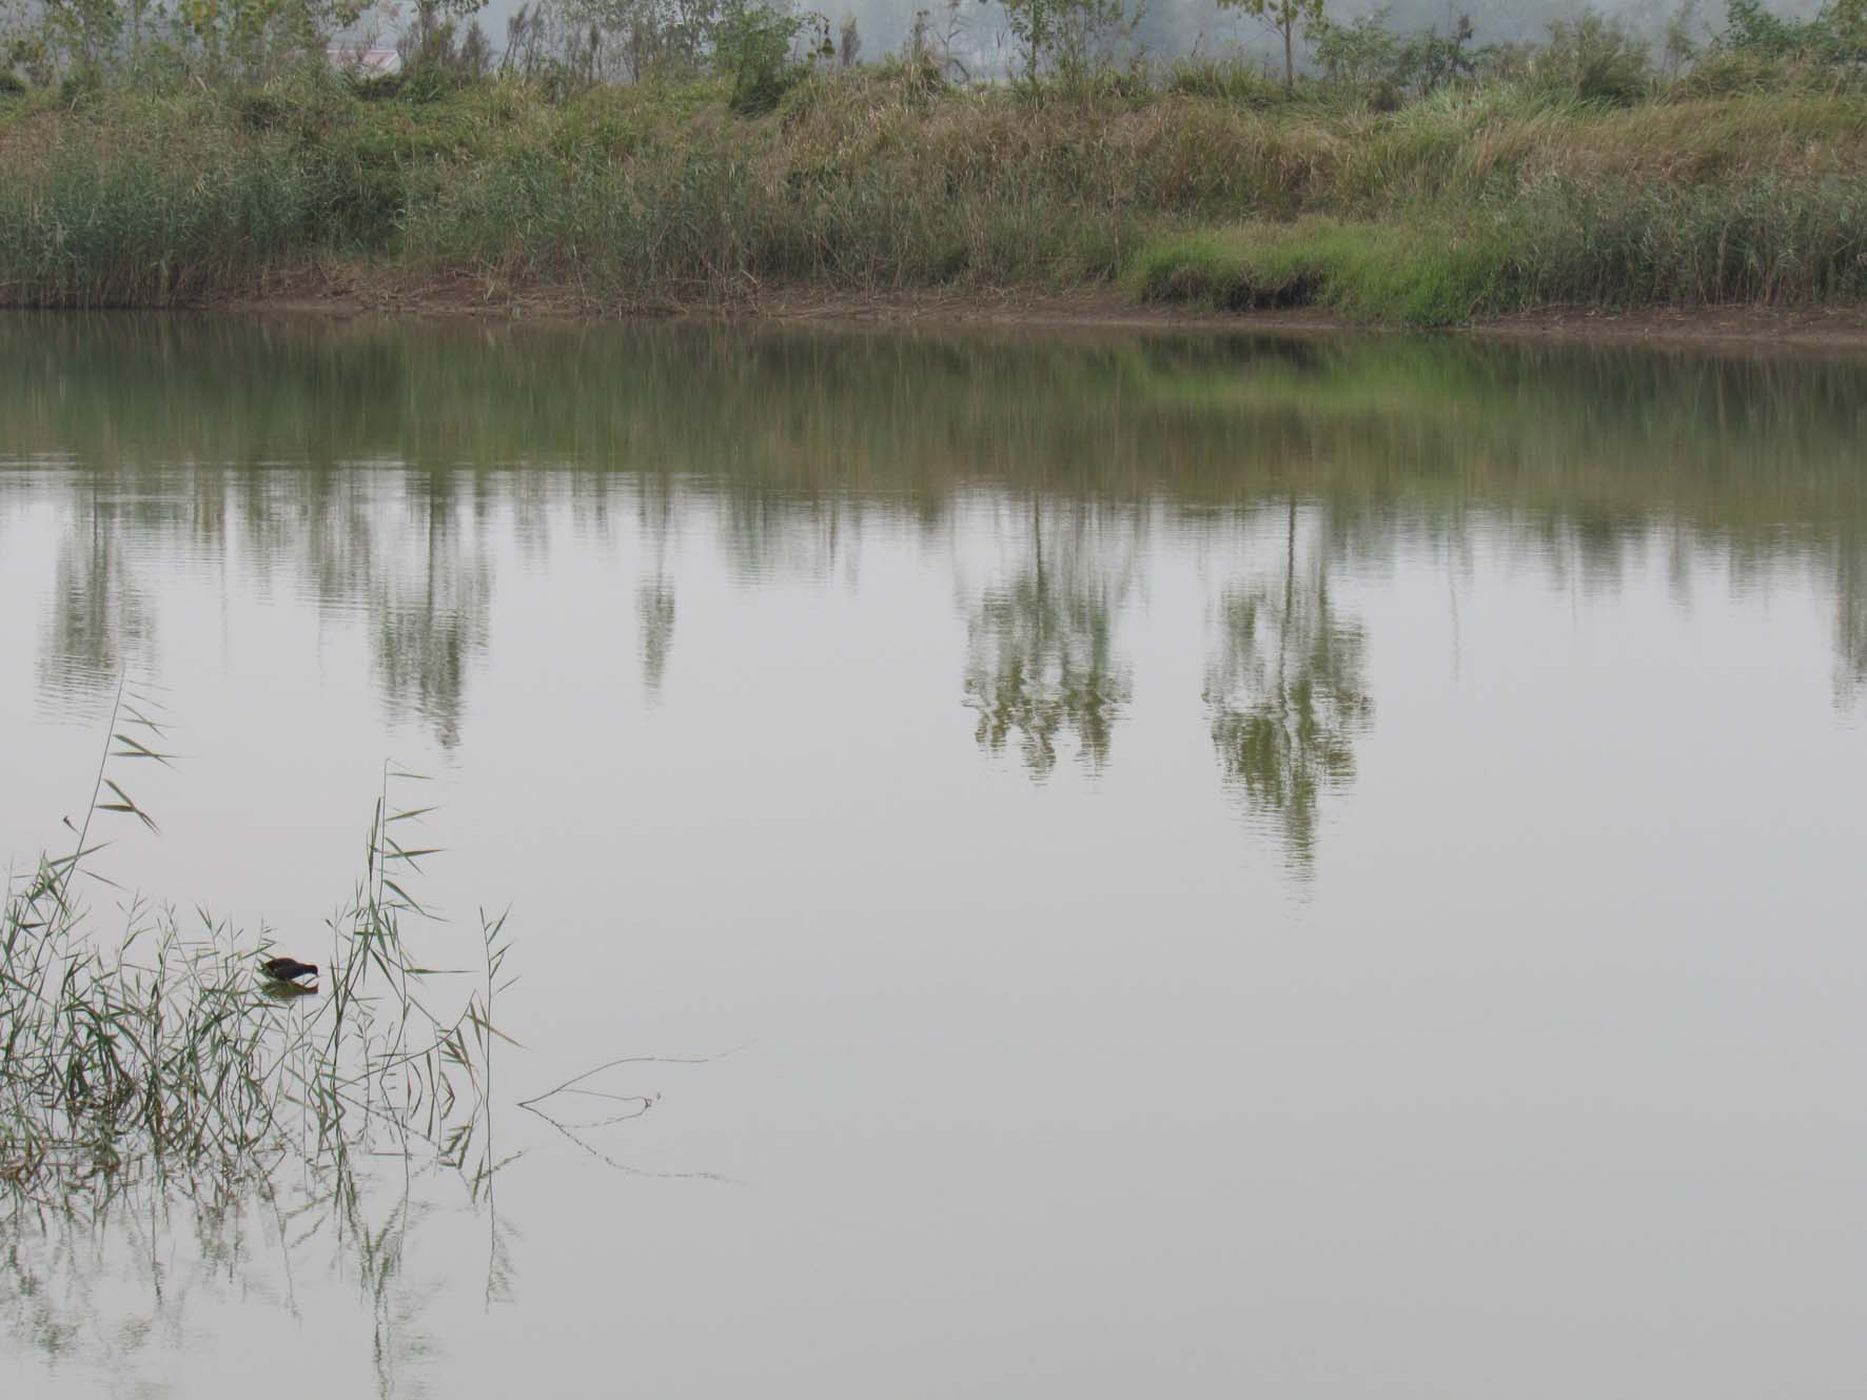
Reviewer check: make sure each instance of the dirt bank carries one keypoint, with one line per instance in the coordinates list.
(353, 292)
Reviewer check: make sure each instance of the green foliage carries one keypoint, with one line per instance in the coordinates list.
(254, 38)
(1422, 273)
(153, 42)
(440, 56)
(1228, 80)
(752, 46)
(1067, 36)
(1366, 55)
(1364, 51)
(1836, 33)
(646, 38)
(1595, 59)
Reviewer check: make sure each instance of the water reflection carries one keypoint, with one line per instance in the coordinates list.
(101, 622)
(378, 469)
(1850, 623)
(1286, 694)
(847, 567)
(655, 604)
(1041, 659)
(430, 612)
(191, 1244)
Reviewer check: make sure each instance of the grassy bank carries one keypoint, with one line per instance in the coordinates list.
(1476, 200)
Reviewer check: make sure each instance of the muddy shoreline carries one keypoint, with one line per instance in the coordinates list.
(345, 293)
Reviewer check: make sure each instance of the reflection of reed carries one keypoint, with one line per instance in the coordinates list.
(184, 1237)
(158, 1110)
(160, 1075)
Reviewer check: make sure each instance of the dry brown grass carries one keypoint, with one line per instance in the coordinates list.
(872, 182)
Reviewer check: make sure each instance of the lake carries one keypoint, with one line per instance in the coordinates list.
(1120, 863)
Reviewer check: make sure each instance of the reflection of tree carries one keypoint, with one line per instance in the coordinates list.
(794, 440)
(430, 613)
(1041, 659)
(1286, 696)
(1850, 622)
(424, 649)
(99, 615)
(655, 603)
(426, 589)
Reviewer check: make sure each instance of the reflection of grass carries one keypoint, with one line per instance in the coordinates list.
(775, 433)
(169, 1046)
(795, 421)
(787, 438)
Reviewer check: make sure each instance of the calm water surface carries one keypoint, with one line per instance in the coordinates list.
(1226, 866)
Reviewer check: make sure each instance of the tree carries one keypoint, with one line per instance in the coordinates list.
(1362, 52)
(752, 46)
(1836, 33)
(935, 43)
(1282, 17)
(256, 37)
(1365, 53)
(1066, 29)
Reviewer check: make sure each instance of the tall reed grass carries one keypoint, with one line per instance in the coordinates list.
(167, 1043)
(1476, 199)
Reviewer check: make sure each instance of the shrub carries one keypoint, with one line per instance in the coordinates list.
(753, 48)
(1228, 80)
(1595, 59)
(1836, 33)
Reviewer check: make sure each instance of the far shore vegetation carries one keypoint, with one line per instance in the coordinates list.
(634, 155)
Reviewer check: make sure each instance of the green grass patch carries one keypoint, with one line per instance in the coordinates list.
(1418, 275)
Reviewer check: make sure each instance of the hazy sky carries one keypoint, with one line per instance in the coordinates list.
(1182, 26)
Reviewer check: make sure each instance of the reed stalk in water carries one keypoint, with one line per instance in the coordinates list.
(168, 1043)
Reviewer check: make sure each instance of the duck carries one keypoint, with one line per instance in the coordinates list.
(287, 969)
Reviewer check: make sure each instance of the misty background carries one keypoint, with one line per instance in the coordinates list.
(1170, 29)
